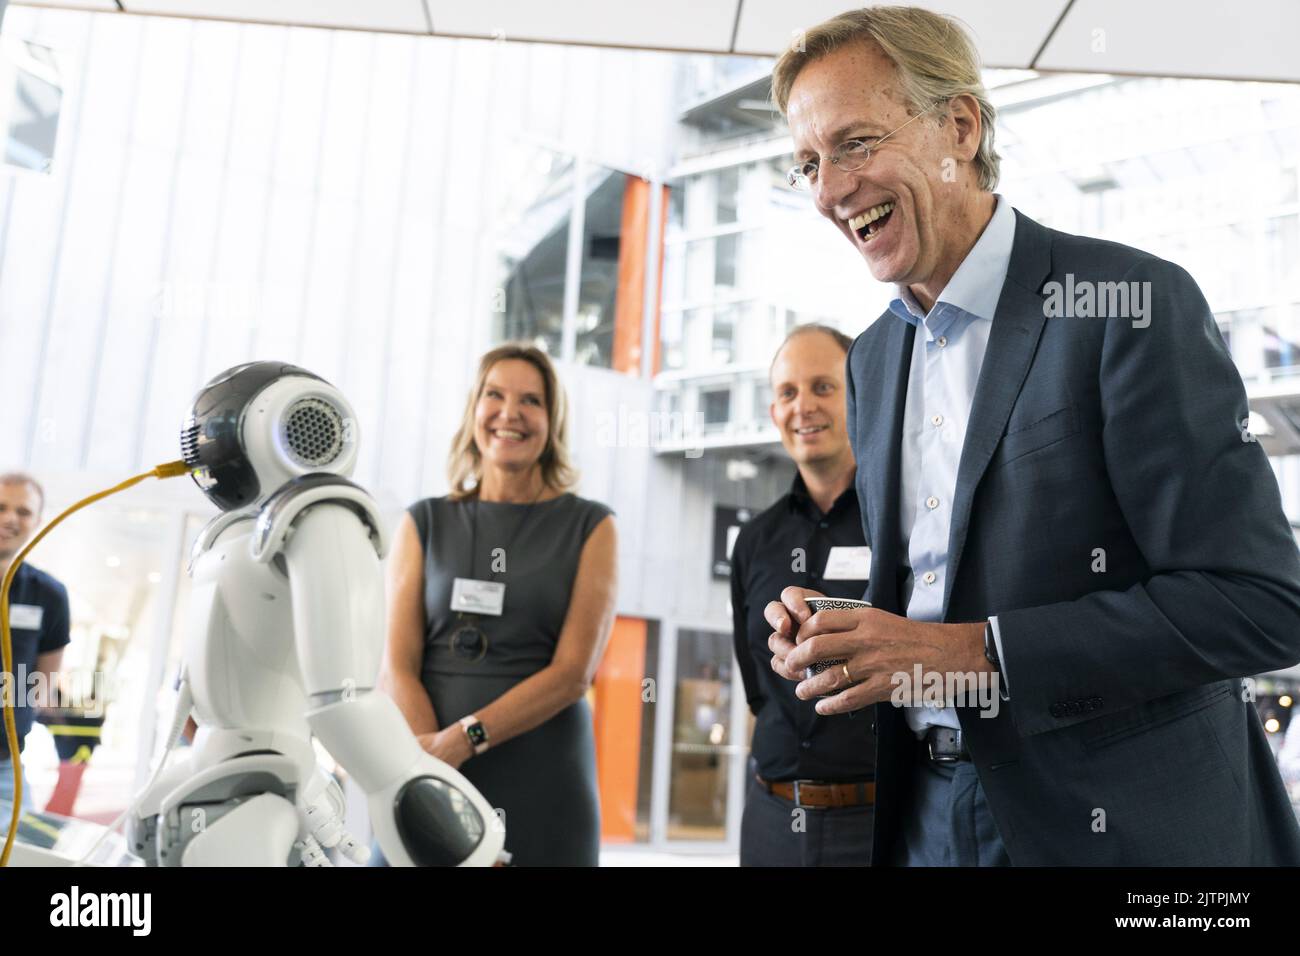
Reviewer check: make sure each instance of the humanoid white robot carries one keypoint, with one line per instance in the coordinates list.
(285, 640)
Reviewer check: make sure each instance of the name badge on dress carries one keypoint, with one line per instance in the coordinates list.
(848, 564)
(27, 617)
(478, 597)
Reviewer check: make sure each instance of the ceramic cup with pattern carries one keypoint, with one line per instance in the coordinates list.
(829, 604)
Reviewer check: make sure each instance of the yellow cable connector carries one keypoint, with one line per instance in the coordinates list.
(172, 469)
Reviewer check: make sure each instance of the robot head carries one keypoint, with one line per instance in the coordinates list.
(258, 425)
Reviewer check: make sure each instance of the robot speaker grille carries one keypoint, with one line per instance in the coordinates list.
(313, 432)
(190, 443)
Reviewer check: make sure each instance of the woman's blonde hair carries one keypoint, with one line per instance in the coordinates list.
(934, 56)
(465, 462)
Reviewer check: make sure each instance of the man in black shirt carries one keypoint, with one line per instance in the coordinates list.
(811, 788)
(38, 617)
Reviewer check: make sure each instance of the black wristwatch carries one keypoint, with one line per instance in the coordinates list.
(991, 647)
(476, 732)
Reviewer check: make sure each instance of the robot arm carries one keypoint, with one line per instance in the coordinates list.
(423, 812)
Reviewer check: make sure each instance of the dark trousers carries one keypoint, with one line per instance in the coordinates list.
(948, 821)
(772, 833)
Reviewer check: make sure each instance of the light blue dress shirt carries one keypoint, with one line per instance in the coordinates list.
(947, 354)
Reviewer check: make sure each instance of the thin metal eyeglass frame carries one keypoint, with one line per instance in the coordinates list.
(796, 177)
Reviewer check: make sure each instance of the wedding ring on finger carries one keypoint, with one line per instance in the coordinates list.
(818, 667)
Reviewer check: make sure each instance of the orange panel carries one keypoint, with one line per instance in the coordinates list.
(629, 301)
(617, 719)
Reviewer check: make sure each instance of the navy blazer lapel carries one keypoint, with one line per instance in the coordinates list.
(881, 401)
(1013, 339)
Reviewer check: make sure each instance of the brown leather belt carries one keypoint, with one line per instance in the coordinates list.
(816, 795)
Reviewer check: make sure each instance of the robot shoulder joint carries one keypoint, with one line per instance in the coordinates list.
(275, 520)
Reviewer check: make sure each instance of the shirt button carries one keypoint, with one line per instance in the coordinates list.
(928, 577)
(941, 341)
(932, 502)
(936, 420)
(823, 524)
(805, 744)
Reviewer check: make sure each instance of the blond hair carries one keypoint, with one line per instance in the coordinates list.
(935, 59)
(465, 461)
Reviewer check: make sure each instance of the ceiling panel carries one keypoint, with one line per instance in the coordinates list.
(1008, 33)
(1154, 37)
(73, 4)
(653, 24)
(400, 16)
(1254, 39)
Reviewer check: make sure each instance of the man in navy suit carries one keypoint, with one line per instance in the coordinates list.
(1079, 551)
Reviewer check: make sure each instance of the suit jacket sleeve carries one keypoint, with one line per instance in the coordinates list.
(1223, 596)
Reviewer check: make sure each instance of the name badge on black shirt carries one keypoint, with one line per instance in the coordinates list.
(478, 597)
(26, 617)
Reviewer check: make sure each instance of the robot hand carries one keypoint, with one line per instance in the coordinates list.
(423, 812)
(321, 808)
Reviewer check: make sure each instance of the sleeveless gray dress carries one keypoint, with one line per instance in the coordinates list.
(544, 780)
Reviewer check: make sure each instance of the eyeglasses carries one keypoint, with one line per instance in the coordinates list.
(850, 155)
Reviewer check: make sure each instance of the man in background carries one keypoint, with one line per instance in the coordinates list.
(811, 788)
(38, 615)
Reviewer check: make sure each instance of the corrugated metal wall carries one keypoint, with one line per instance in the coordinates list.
(226, 192)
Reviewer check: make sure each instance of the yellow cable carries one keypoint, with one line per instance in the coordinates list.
(172, 469)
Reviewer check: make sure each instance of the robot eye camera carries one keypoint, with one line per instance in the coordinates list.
(261, 424)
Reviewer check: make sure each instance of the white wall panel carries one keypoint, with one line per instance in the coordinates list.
(50, 433)
(147, 194)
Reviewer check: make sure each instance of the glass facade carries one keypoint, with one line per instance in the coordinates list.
(532, 244)
(746, 259)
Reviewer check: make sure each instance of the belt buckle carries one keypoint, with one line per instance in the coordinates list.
(941, 758)
(798, 802)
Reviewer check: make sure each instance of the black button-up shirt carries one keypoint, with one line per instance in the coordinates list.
(791, 740)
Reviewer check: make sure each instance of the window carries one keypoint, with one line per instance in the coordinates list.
(727, 198)
(702, 734)
(532, 250)
(601, 241)
(672, 338)
(724, 335)
(726, 249)
(1281, 333)
(717, 407)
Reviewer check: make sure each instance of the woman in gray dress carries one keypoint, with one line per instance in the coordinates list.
(502, 601)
